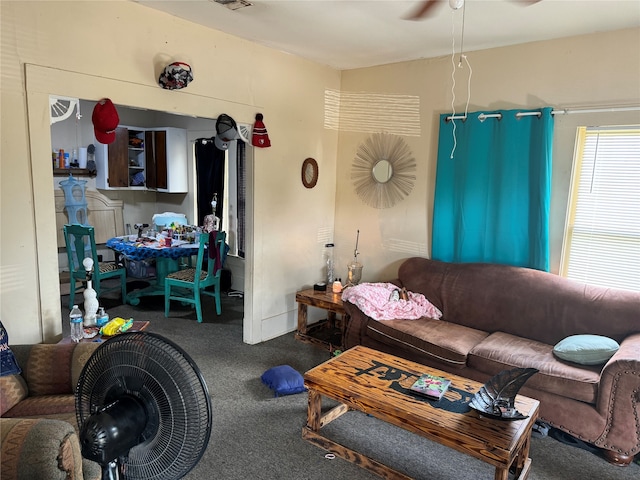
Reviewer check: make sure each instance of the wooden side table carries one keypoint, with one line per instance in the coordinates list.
(327, 333)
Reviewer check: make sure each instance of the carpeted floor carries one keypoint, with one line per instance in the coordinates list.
(257, 436)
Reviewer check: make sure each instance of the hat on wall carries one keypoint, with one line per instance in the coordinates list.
(226, 131)
(260, 137)
(105, 121)
(175, 76)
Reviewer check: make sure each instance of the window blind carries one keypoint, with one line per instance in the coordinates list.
(602, 235)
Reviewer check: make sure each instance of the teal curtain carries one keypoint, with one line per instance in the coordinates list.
(492, 191)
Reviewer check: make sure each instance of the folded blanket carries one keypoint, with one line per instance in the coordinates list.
(375, 300)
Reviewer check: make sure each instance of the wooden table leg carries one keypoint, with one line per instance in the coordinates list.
(302, 318)
(521, 464)
(314, 410)
(331, 319)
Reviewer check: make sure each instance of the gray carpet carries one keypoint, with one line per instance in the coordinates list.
(257, 436)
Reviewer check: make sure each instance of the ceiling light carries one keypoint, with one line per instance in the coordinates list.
(233, 4)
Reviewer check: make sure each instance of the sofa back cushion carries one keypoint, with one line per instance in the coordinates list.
(53, 369)
(48, 369)
(521, 301)
(13, 390)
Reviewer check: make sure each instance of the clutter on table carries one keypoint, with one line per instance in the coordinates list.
(116, 326)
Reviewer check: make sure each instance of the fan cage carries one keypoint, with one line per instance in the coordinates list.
(168, 382)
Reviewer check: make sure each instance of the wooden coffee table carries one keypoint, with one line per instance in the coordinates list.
(377, 384)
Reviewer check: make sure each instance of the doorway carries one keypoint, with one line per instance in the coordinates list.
(46, 81)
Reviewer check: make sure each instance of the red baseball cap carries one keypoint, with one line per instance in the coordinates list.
(105, 121)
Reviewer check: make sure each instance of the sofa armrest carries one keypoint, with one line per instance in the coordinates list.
(356, 326)
(40, 448)
(619, 399)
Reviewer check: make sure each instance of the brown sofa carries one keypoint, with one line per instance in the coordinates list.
(498, 317)
(38, 428)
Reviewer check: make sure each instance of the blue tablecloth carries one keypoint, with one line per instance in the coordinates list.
(139, 251)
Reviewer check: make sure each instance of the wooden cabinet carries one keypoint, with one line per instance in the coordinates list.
(144, 159)
(166, 159)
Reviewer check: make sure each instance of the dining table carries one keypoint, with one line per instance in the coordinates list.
(167, 259)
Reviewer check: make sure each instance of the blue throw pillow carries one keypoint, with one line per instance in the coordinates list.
(283, 380)
(8, 364)
(586, 349)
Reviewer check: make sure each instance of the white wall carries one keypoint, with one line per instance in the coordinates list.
(111, 50)
(591, 70)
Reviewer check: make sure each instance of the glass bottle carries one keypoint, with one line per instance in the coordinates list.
(330, 265)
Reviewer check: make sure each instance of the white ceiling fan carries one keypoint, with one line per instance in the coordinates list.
(428, 7)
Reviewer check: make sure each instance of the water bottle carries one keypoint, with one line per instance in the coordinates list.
(75, 319)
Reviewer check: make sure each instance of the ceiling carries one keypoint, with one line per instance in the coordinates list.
(347, 34)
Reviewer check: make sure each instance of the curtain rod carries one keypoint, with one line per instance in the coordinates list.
(564, 111)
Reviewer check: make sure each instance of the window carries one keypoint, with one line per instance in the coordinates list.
(602, 233)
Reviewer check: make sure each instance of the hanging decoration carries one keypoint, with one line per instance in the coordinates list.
(383, 171)
(260, 137)
(105, 121)
(226, 131)
(175, 76)
(61, 108)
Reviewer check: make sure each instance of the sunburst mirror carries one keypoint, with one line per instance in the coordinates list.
(383, 171)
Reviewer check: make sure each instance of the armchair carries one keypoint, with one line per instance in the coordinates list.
(38, 428)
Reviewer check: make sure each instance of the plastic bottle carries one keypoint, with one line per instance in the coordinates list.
(102, 318)
(75, 319)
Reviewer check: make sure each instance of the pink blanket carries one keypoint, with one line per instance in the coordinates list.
(374, 299)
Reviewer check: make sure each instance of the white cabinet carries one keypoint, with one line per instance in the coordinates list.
(144, 159)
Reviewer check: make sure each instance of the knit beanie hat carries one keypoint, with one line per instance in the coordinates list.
(260, 136)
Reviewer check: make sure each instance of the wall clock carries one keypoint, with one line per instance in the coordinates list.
(309, 173)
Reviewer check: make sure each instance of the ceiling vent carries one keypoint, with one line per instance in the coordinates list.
(233, 4)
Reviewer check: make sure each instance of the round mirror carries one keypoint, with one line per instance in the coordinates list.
(382, 171)
(309, 173)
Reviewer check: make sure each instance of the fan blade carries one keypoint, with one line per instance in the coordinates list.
(424, 10)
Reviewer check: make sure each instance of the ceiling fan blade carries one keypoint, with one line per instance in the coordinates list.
(424, 10)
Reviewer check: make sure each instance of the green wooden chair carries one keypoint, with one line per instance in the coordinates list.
(80, 242)
(189, 284)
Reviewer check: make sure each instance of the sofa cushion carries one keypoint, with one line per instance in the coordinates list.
(43, 405)
(13, 389)
(502, 351)
(41, 378)
(447, 342)
(586, 349)
(521, 301)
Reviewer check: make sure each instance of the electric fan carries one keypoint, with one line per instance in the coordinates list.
(143, 409)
